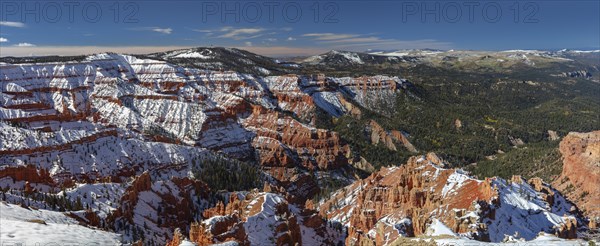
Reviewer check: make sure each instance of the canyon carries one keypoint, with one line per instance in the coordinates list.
(122, 145)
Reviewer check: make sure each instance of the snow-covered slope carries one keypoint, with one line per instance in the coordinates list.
(31, 227)
(106, 113)
(104, 119)
(337, 58)
(220, 58)
(483, 59)
(261, 218)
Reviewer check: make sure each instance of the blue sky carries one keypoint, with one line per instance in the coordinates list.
(278, 28)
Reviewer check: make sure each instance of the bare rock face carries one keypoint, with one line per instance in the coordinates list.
(27, 173)
(156, 208)
(373, 92)
(284, 146)
(580, 178)
(389, 139)
(407, 200)
(379, 135)
(284, 142)
(351, 108)
(361, 163)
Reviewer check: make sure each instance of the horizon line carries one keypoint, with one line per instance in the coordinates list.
(271, 51)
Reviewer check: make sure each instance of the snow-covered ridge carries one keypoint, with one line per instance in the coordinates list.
(413, 52)
(351, 56)
(337, 58)
(486, 58)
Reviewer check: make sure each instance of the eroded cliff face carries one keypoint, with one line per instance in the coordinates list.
(116, 107)
(405, 196)
(373, 92)
(151, 208)
(580, 178)
(27, 173)
(261, 218)
(284, 142)
(409, 200)
(92, 127)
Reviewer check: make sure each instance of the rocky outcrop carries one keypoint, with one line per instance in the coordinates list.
(286, 147)
(178, 238)
(515, 141)
(154, 209)
(580, 177)
(261, 219)
(403, 201)
(361, 163)
(402, 193)
(577, 74)
(351, 108)
(224, 228)
(458, 124)
(120, 134)
(389, 139)
(27, 173)
(284, 142)
(553, 135)
(376, 93)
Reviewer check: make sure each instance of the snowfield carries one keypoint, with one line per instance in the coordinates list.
(43, 227)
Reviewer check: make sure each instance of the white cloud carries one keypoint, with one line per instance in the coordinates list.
(240, 33)
(3, 40)
(329, 36)
(397, 44)
(354, 40)
(153, 29)
(271, 40)
(162, 30)
(25, 45)
(361, 42)
(229, 32)
(203, 30)
(248, 43)
(12, 24)
(291, 39)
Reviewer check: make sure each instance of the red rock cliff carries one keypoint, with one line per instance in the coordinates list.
(580, 178)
